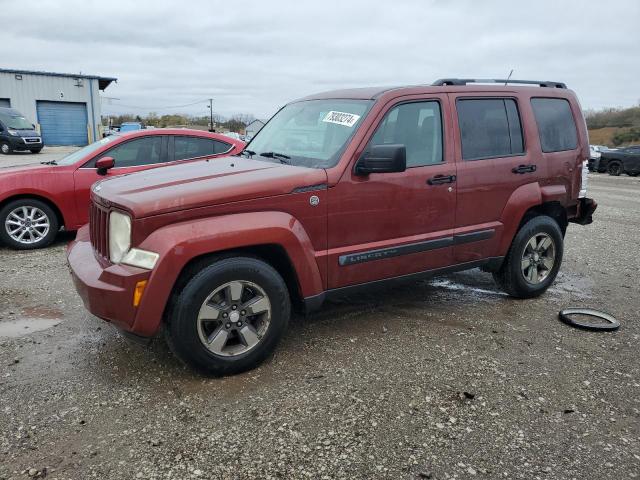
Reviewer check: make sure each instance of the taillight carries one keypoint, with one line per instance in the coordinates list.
(584, 178)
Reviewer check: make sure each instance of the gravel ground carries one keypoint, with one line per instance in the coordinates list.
(441, 379)
(27, 158)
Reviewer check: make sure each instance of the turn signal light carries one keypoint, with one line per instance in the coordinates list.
(137, 293)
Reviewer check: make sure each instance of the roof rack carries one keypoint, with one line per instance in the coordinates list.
(463, 81)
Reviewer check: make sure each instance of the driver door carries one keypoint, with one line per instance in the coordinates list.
(386, 225)
(140, 153)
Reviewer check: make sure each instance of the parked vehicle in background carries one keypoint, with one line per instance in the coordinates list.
(594, 158)
(621, 160)
(37, 200)
(17, 134)
(130, 127)
(107, 131)
(339, 191)
(234, 135)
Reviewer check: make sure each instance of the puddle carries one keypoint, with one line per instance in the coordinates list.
(449, 285)
(32, 319)
(25, 326)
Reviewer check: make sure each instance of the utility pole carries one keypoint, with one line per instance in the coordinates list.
(211, 115)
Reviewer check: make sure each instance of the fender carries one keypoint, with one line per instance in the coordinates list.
(521, 200)
(179, 243)
(30, 192)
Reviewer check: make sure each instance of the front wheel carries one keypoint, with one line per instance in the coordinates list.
(230, 316)
(5, 148)
(27, 224)
(533, 260)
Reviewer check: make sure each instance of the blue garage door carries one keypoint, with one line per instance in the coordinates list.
(4, 102)
(62, 123)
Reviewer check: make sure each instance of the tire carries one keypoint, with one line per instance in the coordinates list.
(36, 150)
(5, 148)
(189, 327)
(615, 169)
(38, 236)
(519, 281)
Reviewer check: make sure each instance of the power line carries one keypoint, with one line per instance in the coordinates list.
(157, 108)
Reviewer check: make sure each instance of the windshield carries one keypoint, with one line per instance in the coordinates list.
(17, 122)
(312, 133)
(79, 154)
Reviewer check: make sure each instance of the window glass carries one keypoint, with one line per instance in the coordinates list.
(417, 126)
(192, 147)
(556, 126)
(141, 151)
(220, 147)
(311, 133)
(489, 127)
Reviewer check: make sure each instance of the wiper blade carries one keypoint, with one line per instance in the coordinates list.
(278, 156)
(50, 162)
(250, 153)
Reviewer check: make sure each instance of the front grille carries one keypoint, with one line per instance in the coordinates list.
(31, 140)
(99, 229)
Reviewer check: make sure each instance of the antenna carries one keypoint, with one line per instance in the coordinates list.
(507, 80)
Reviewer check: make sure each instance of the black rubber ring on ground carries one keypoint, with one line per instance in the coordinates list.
(567, 312)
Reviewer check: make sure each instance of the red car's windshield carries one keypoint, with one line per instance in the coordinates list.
(83, 152)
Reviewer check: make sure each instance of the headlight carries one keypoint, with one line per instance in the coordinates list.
(119, 236)
(141, 258)
(12, 132)
(120, 250)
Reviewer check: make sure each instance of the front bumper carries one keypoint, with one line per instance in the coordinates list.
(586, 207)
(22, 143)
(106, 290)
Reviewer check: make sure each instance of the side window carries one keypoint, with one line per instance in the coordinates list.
(556, 125)
(418, 126)
(489, 127)
(192, 147)
(220, 147)
(141, 151)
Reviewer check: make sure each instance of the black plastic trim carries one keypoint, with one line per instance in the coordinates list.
(380, 253)
(612, 322)
(316, 301)
(310, 188)
(461, 238)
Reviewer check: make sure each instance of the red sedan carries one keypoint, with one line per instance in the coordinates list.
(37, 200)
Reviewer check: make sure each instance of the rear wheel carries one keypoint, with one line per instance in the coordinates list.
(615, 169)
(5, 148)
(28, 224)
(533, 260)
(230, 316)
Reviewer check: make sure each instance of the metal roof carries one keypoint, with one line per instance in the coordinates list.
(103, 82)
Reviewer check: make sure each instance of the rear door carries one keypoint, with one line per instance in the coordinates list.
(494, 159)
(387, 225)
(139, 153)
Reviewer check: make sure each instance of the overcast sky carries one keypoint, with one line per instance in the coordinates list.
(254, 56)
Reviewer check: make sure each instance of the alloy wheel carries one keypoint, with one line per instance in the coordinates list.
(538, 258)
(27, 225)
(234, 318)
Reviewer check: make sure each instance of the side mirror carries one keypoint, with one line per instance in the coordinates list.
(104, 164)
(382, 159)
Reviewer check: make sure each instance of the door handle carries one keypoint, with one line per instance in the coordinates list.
(524, 169)
(441, 179)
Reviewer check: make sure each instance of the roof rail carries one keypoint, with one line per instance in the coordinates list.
(463, 81)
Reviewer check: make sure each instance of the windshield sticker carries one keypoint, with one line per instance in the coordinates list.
(341, 118)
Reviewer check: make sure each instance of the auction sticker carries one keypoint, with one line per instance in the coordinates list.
(341, 118)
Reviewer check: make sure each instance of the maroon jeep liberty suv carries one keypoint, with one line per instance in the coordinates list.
(339, 191)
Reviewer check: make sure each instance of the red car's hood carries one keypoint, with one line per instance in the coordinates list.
(33, 168)
(203, 183)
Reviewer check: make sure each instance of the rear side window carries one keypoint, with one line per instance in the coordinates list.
(489, 127)
(556, 125)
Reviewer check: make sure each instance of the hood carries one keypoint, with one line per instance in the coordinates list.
(32, 168)
(28, 133)
(203, 183)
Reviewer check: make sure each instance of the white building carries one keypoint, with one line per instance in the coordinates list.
(253, 128)
(64, 107)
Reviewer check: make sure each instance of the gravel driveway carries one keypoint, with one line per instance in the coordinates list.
(440, 379)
